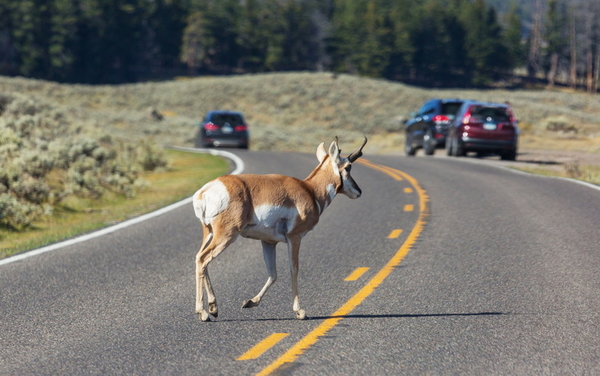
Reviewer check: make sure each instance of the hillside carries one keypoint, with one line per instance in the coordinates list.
(296, 111)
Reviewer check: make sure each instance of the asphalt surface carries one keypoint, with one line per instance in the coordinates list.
(504, 278)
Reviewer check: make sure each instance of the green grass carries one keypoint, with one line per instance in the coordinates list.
(75, 216)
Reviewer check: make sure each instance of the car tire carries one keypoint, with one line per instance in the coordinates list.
(409, 149)
(458, 150)
(429, 143)
(199, 141)
(510, 155)
(449, 146)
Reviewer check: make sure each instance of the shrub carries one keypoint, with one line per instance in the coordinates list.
(38, 141)
(17, 214)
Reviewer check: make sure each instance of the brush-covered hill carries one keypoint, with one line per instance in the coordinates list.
(296, 111)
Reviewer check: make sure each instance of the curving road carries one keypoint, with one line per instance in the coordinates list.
(466, 269)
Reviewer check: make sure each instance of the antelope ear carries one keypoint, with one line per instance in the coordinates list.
(321, 153)
(334, 150)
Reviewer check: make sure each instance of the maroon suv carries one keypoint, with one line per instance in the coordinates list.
(485, 128)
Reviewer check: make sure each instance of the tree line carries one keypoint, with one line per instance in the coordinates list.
(428, 42)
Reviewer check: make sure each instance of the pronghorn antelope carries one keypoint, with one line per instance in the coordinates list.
(269, 208)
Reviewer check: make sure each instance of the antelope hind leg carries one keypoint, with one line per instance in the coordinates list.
(210, 296)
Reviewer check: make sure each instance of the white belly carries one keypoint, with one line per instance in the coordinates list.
(271, 223)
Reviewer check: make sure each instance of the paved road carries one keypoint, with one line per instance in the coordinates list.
(496, 273)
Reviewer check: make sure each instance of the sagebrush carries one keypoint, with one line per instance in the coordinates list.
(47, 155)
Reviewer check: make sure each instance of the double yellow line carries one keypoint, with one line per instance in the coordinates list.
(311, 338)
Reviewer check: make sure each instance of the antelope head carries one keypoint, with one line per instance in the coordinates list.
(342, 167)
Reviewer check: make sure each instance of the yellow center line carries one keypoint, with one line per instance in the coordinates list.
(311, 338)
(386, 170)
(262, 346)
(408, 190)
(409, 208)
(395, 234)
(356, 274)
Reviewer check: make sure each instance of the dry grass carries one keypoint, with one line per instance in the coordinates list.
(587, 173)
(295, 111)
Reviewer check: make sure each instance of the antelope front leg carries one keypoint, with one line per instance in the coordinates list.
(269, 255)
(293, 253)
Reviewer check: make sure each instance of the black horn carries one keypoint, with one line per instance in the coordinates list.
(358, 152)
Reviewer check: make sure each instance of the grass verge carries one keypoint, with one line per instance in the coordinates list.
(187, 172)
(589, 174)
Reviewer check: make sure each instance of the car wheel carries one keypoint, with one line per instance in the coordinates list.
(429, 143)
(448, 146)
(409, 149)
(458, 149)
(510, 155)
(199, 141)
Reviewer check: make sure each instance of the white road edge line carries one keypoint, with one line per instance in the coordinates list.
(514, 170)
(239, 168)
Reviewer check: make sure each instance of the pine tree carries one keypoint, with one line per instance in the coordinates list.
(193, 49)
(221, 34)
(31, 22)
(556, 36)
(487, 55)
(347, 35)
(513, 35)
(8, 52)
(63, 39)
(401, 51)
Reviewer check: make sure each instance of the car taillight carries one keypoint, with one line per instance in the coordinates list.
(241, 128)
(211, 127)
(466, 119)
(441, 119)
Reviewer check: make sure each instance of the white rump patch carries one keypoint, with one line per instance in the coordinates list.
(210, 200)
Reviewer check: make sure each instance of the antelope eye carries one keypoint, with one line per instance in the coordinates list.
(348, 168)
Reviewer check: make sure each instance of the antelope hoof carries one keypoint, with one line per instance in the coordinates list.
(213, 310)
(249, 304)
(300, 314)
(204, 316)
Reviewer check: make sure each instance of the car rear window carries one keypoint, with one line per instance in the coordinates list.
(496, 114)
(221, 119)
(451, 108)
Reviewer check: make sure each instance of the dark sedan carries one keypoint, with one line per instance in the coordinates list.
(223, 128)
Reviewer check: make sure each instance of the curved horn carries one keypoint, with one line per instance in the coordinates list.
(358, 152)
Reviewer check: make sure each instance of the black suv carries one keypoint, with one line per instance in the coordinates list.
(428, 127)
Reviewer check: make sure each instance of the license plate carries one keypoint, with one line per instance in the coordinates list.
(489, 126)
(227, 129)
